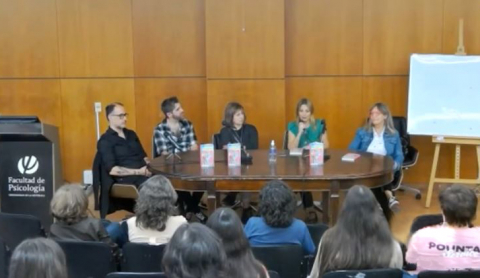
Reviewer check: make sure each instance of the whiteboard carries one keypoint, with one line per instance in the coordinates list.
(444, 95)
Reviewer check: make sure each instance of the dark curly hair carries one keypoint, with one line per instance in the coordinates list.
(277, 204)
(155, 203)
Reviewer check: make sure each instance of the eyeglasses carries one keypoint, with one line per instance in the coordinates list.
(121, 116)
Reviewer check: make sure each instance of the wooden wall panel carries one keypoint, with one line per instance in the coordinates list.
(263, 101)
(169, 37)
(79, 136)
(95, 38)
(324, 37)
(393, 91)
(394, 29)
(329, 95)
(149, 93)
(469, 10)
(28, 38)
(245, 39)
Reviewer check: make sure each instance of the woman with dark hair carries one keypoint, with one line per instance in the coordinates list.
(276, 224)
(361, 238)
(240, 260)
(155, 219)
(38, 258)
(194, 251)
(380, 137)
(304, 130)
(453, 245)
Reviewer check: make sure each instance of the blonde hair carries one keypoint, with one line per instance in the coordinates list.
(69, 204)
(308, 103)
(383, 108)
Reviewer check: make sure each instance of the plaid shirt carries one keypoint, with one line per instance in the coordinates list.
(162, 133)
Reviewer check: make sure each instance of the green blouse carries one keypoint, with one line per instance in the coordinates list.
(310, 135)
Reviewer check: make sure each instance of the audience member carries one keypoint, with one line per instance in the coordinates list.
(361, 238)
(194, 251)
(301, 132)
(276, 224)
(240, 260)
(38, 258)
(453, 245)
(155, 221)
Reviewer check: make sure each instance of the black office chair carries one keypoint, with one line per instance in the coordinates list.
(4, 258)
(136, 275)
(141, 257)
(285, 140)
(88, 259)
(273, 274)
(423, 221)
(286, 260)
(316, 232)
(410, 153)
(14, 228)
(450, 274)
(216, 141)
(370, 273)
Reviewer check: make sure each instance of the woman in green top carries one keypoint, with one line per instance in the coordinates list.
(301, 132)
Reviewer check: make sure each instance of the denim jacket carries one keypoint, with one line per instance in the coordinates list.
(392, 143)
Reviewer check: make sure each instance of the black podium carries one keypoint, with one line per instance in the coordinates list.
(30, 166)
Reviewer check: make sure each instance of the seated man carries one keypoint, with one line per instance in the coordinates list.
(453, 245)
(176, 134)
(121, 151)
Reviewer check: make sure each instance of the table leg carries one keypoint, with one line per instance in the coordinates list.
(335, 201)
(211, 197)
(325, 206)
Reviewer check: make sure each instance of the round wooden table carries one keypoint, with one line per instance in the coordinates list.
(335, 175)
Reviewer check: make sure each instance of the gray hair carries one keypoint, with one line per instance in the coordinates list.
(155, 203)
(383, 108)
(69, 204)
(38, 258)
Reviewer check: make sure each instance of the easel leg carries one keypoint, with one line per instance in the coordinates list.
(432, 175)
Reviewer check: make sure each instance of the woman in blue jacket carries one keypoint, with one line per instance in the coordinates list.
(379, 136)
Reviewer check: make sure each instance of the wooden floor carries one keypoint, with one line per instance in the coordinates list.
(410, 208)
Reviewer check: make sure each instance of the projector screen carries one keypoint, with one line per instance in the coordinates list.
(444, 95)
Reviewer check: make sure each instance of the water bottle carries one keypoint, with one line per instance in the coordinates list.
(272, 154)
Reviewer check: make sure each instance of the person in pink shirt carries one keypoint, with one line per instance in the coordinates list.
(453, 245)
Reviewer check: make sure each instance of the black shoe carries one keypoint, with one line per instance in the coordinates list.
(311, 217)
(201, 217)
(230, 200)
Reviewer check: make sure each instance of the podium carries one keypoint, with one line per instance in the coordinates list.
(30, 166)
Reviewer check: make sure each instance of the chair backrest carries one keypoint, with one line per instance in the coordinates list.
(14, 228)
(371, 273)
(88, 259)
(4, 258)
(136, 275)
(423, 221)
(450, 274)
(316, 232)
(273, 274)
(286, 260)
(141, 257)
(216, 141)
(285, 140)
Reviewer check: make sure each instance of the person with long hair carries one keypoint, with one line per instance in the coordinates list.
(155, 219)
(194, 251)
(361, 238)
(236, 130)
(304, 130)
(276, 223)
(38, 258)
(240, 260)
(379, 136)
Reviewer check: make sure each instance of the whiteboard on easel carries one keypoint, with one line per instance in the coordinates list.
(444, 95)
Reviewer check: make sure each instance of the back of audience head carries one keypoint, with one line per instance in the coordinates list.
(69, 204)
(361, 238)
(194, 251)
(240, 260)
(155, 203)
(459, 205)
(277, 204)
(38, 258)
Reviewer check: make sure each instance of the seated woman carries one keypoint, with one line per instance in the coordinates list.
(235, 130)
(69, 209)
(379, 136)
(276, 224)
(155, 219)
(240, 260)
(361, 238)
(301, 132)
(38, 257)
(453, 245)
(195, 251)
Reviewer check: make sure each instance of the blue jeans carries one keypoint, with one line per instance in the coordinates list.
(115, 232)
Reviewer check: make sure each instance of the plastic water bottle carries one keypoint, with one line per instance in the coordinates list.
(272, 154)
